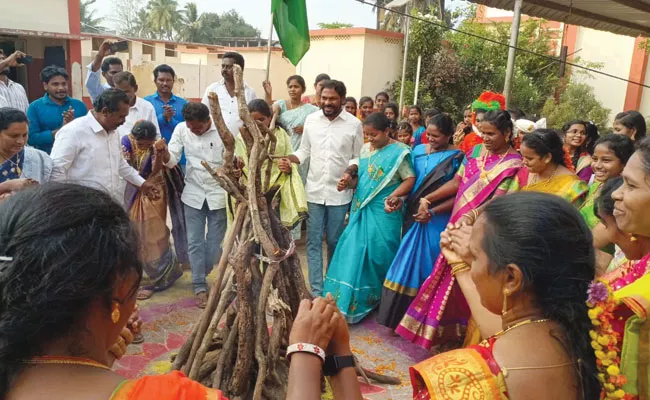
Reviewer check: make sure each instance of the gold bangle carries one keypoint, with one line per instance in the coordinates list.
(459, 267)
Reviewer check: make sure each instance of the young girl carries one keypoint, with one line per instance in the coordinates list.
(575, 138)
(391, 112)
(351, 105)
(417, 125)
(366, 107)
(405, 133)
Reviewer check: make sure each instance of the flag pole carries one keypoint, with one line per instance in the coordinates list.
(268, 54)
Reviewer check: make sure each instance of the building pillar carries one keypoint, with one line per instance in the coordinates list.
(638, 66)
(73, 59)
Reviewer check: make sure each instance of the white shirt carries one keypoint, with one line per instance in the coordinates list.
(84, 153)
(228, 104)
(94, 84)
(199, 184)
(141, 110)
(13, 95)
(331, 146)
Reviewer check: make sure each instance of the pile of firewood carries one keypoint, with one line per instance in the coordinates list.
(259, 273)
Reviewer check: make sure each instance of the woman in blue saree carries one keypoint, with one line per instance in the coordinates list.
(149, 216)
(368, 244)
(435, 164)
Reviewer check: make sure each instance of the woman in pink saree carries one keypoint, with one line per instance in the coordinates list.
(439, 314)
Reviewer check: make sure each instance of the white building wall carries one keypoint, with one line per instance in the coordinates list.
(382, 64)
(644, 108)
(35, 15)
(615, 53)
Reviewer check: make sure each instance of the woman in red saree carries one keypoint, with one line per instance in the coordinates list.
(532, 267)
(439, 313)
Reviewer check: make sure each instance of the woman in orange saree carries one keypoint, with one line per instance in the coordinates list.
(540, 296)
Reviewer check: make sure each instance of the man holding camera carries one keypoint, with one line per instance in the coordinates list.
(103, 67)
(12, 94)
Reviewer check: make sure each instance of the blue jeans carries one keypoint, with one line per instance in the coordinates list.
(329, 219)
(204, 250)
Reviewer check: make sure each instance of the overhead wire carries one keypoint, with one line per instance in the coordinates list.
(517, 48)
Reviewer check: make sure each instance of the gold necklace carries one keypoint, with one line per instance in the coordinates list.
(19, 170)
(484, 173)
(60, 360)
(521, 323)
(371, 165)
(547, 179)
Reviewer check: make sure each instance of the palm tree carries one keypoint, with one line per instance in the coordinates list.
(88, 21)
(396, 22)
(191, 27)
(141, 27)
(163, 17)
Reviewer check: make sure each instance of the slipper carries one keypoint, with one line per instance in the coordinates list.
(144, 294)
(201, 299)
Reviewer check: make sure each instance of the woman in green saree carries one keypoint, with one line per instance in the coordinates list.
(369, 243)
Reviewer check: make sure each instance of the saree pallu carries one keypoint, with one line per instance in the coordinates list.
(172, 386)
(470, 373)
(421, 244)
(291, 119)
(569, 187)
(440, 312)
(587, 209)
(583, 169)
(288, 187)
(13, 167)
(368, 244)
(149, 216)
(631, 286)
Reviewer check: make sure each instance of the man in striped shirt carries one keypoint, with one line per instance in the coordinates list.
(12, 94)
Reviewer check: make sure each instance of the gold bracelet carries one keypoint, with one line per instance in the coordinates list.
(459, 267)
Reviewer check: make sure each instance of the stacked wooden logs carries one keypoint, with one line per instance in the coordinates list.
(230, 347)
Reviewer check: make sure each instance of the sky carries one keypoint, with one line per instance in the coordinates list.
(257, 12)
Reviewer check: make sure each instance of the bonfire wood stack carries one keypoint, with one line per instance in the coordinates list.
(230, 348)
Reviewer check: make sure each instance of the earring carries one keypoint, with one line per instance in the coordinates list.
(504, 308)
(632, 238)
(115, 314)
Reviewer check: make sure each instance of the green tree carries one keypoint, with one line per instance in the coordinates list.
(231, 24)
(163, 17)
(334, 25)
(576, 102)
(193, 27)
(89, 23)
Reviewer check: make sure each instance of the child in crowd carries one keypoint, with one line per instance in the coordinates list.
(351, 105)
(405, 133)
(366, 107)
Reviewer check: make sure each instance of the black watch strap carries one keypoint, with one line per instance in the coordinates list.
(334, 364)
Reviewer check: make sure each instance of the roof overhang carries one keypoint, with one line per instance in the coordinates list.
(624, 17)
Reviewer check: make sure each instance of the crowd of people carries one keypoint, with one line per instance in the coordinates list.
(479, 238)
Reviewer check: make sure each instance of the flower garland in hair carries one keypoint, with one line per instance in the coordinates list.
(606, 341)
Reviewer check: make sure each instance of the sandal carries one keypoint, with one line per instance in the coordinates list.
(201, 299)
(145, 294)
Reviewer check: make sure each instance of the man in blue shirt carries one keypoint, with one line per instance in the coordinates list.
(168, 106)
(49, 113)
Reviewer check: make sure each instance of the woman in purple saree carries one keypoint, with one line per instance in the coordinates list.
(161, 265)
(439, 314)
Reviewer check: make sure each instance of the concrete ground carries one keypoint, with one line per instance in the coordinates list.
(169, 316)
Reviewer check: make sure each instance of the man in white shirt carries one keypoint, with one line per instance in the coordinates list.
(102, 67)
(204, 200)
(87, 150)
(12, 94)
(140, 109)
(331, 141)
(225, 90)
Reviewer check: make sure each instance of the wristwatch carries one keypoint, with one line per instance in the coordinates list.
(334, 364)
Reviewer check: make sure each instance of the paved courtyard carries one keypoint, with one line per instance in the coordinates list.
(169, 316)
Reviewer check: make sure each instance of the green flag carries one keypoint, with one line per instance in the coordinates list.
(290, 21)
